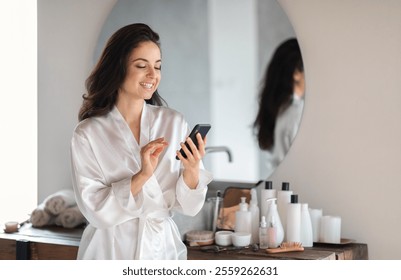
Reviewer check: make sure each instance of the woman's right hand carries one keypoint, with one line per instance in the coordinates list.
(149, 159)
(150, 156)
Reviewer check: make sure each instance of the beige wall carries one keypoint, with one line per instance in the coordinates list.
(346, 158)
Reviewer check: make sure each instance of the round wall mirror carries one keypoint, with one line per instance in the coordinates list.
(214, 55)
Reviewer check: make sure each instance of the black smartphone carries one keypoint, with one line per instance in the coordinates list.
(203, 129)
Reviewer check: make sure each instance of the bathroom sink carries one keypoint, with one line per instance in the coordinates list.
(201, 220)
(220, 185)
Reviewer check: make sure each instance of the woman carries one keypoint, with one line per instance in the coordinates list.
(126, 178)
(280, 103)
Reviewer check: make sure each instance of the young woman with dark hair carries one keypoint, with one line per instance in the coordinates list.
(126, 178)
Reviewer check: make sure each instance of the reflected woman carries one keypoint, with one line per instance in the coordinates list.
(281, 102)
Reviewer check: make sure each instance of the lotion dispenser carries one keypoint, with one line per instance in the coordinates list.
(275, 230)
(243, 218)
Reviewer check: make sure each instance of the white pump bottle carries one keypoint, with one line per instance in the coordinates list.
(243, 219)
(275, 230)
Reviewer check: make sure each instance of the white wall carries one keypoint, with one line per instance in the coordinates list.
(233, 89)
(346, 157)
(66, 44)
(18, 80)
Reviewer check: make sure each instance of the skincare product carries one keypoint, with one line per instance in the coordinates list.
(330, 229)
(263, 238)
(316, 216)
(266, 193)
(293, 233)
(283, 199)
(275, 231)
(215, 205)
(243, 219)
(306, 226)
(241, 239)
(255, 214)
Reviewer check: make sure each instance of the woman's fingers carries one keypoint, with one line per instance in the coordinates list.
(194, 153)
(155, 146)
(201, 144)
(185, 149)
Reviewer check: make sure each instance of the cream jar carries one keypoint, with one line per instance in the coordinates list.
(223, 238)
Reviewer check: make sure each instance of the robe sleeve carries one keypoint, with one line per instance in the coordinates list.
(192, 200)
(103, 205)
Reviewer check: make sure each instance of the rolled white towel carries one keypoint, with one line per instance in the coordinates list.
(59, 201)
(41, 217)
(70, 217)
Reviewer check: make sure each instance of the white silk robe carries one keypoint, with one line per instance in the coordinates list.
(104, 157)
(286, 129)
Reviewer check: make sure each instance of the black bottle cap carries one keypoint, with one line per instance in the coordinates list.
(294, 198)
(268, 185)
(285, 186)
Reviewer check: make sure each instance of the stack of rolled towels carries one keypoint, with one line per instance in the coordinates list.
(59, 209)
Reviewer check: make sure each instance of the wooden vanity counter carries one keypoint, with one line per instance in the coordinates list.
(57, 243)
(351, 251)
(46, 243)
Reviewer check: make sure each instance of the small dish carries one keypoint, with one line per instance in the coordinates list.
(11, 227)
(241, 239)
(223, 238)
(199, 237)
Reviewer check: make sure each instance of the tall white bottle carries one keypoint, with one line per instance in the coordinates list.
(243, 218)
(283, 199)
(306, 226)
(293, 233)
(265, 194)
(255, 214)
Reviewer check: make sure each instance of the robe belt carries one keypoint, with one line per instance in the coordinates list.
(154, 222)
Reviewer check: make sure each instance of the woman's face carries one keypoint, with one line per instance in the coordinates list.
(143, 72)
(299, 83)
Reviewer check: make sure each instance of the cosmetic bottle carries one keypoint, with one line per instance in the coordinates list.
(275, 231)
(306, 226)
(266, 193)
(283, 199)
(255, 214)
(263, 238)
(293, 233)
(243, 218)
(215, 205)
(316, 216)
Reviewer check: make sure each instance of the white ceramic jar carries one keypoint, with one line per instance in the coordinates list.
(223, 238)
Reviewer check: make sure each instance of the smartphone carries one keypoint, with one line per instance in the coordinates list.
(203, 129)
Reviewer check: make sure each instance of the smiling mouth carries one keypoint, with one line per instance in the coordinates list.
(147, 85)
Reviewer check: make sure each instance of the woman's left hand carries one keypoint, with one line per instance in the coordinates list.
(191, 163)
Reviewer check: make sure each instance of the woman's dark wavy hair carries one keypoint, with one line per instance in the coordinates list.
(277, 92)
(108, 75)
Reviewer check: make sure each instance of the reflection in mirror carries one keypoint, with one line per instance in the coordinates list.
(214, 56)
(281, 103)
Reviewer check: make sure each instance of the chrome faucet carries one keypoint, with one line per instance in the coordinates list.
(216, 149)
